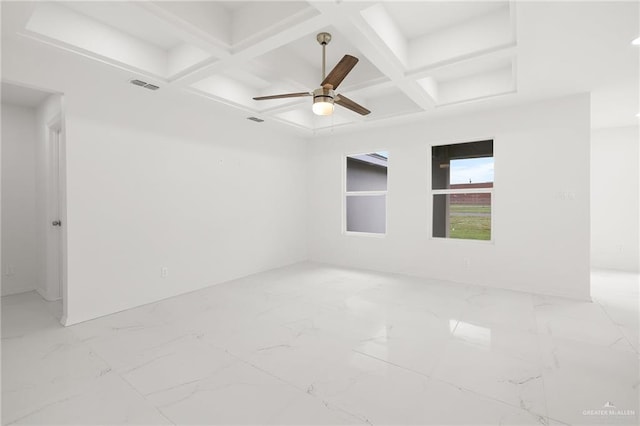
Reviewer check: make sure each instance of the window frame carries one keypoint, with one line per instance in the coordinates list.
(432, 192)
(346, 194)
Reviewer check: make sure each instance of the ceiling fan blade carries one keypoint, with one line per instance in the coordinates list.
(340, 71)
(343, 101)
(285, 95)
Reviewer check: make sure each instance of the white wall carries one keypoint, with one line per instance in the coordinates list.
(615, 183)
(210, 209)
(541, 210)
(19, 239)
(163, 179)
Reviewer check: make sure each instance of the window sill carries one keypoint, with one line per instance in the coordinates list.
(363, 234)
(463, 240)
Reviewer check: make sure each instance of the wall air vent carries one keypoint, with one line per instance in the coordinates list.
(144, 84)
(256, 119)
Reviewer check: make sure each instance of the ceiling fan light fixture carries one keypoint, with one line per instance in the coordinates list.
(322, 108)
(323, 101)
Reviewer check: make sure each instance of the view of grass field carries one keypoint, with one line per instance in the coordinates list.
(470, 221)
(470, 208)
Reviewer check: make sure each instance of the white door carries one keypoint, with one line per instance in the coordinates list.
(54, 244)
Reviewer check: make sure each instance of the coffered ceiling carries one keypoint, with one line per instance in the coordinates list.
(416, 58)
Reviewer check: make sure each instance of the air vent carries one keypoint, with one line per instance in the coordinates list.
(144, 84)
(256, 119)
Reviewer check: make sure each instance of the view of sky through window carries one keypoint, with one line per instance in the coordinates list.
(471, 170)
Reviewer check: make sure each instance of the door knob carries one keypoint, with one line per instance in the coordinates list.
(56, 223)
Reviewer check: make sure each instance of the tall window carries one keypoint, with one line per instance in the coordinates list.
(462, 190)
(366, 193)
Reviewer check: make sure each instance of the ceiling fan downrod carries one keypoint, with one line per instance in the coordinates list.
(324, 39)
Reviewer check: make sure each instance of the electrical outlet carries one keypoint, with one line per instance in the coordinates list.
(164, 272)
(566, 195)
(466, 262)
(10, 271)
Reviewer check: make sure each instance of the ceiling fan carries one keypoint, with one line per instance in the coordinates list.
(325, 97)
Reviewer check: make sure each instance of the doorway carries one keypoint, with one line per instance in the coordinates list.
(33, 198)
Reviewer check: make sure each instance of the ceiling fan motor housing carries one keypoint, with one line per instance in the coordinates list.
(322, 94)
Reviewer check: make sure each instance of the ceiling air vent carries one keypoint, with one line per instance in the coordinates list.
(256, 119)
(144, 84)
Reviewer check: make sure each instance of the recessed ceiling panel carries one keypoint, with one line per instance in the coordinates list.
(472, 66)
(424, 34)
(416, 19)
(251, 21)
(384, 102)
(122, 34)
(209, 19)
(301, 61)
(478, 86)
(238, 24)
(472, 37)
(474, 79)
(224, 87)
(128, 18)
(239, 86)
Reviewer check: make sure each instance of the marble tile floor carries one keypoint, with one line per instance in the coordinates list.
(323, 345)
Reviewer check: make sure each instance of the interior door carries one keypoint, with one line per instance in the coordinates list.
(54, 279)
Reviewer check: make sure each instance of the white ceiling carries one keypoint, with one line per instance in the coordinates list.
(417, 59)
(428, 17)
(131, 20)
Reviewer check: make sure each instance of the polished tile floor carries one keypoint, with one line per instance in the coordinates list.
(315, 344)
